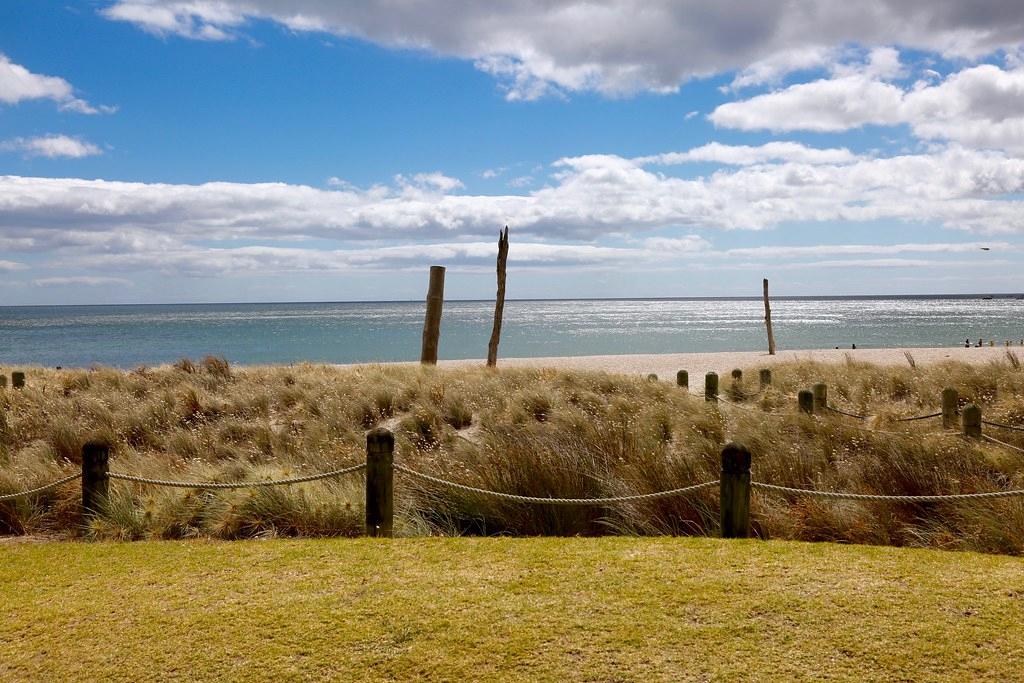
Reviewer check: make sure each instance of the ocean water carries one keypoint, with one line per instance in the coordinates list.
(128, 336)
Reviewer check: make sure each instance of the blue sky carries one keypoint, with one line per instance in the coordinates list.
(253, 150)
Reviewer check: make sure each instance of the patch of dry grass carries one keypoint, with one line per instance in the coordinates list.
(539, 432)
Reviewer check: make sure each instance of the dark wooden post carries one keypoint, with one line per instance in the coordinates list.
(805, 400)
(95, 482)
(17, 379)
(432, 323)
(734, 491)
(765, 377)
(652, 377)
(768, 320)
(683, 379)
(949, 401)
(3, 381)
(971, 419)
(736, 388)
(380, 506)
(820, 391)
(711, 387)
(499, 301)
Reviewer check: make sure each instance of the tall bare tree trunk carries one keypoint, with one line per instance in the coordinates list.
(768, 320)
(499, 303)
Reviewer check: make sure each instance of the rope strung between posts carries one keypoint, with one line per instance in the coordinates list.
(686, 490)
(894, 499)
(1003, 426)
(843, 412)
(1002, 443)
(896, 419)
(235, 484)
(40, 489)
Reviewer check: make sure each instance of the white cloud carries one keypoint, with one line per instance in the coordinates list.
(81, 281)
(521, 181)
(981, 106)
(52, 147)
(743, 155)
(10, 266)
(615, 47)
(18, 84)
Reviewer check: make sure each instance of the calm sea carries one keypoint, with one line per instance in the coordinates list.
(127, 336)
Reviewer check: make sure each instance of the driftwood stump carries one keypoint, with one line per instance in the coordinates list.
(768, 320)
(499, 302)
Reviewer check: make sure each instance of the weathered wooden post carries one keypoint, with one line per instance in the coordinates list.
(652, 377)
(3, 381)
(971, 419)
(820, 391)
(765, 378)
(805, 401)
(949, 401)
(499, 301)
(380, 506)
(95, 482)
(17, 379)
(711, 387)
(734, 491)
(736, 388)
(768, 320)
(683, 379)
(432, 323)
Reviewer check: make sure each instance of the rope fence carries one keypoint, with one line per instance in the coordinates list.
(41, 489)
(235, 484)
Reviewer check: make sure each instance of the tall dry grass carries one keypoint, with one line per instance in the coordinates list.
(532, 432)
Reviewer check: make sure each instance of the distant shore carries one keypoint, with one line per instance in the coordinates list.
(665, 365)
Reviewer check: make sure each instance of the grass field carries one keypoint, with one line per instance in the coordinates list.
(604, 609)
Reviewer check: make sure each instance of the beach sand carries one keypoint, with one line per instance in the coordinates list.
(665, 365)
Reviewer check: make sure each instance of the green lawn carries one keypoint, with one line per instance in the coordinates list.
(506, 609)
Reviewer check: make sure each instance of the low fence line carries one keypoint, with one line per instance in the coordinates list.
(235, 484)
(1002, 443)
(1002, 425)
(40, 489)
(558, 501)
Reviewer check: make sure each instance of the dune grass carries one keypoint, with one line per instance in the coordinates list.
(506, 609)
(540, 432)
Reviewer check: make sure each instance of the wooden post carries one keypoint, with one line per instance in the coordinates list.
(683, 379)
(17, 379)
(95, 482)
(652, 377)
(3, 381)
(711, 387)
(432, 323)
(734, 491)
(949, 401)
(768, 320)
(380, 508)
(736, 389)
(765, 377)
(971, 419)
(820, 391)
(805, 400)
(737, 375)
(499, 301)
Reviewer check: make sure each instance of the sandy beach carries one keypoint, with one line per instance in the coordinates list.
(665, 365)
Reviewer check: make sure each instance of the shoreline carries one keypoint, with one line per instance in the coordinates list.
(665, 365)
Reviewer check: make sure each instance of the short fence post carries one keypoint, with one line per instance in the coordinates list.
(805, 400)
(949, 401)
(765, 377)
(971, 419)
(734, 491)
(432, 321)
(653, 377)
(820, 391)
(683, 379)
(711, 386)
(95, 482)
(3, 381)
(17, 379)
(736, 389)
(380, 458)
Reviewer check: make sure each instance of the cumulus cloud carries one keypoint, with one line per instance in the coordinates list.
(18, 84)
(981, 106)
(52, 147)
(614, 47)
(744, 155)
